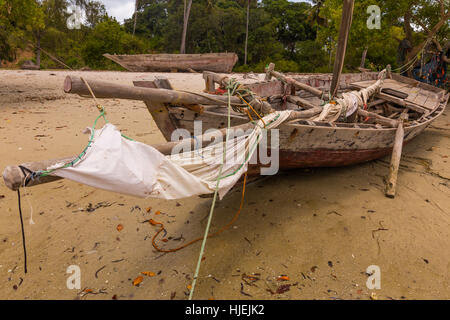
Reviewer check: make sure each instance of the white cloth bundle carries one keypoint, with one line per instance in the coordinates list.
(350, 102)
(120, 165)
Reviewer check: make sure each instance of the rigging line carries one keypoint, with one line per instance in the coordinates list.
(162, 228)
(23, 233)
(205, 237)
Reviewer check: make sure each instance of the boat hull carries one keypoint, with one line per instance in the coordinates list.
(317, 144)
(303, 145)
(215, 62)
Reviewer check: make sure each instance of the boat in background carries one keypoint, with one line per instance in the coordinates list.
(215, 62)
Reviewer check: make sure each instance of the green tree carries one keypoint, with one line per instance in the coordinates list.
(17, 19)
(109, 37)
(151, 21)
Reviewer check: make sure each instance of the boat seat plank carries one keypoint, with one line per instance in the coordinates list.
(419, 99)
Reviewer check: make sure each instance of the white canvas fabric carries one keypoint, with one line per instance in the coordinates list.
(120, 165)
(350, 101)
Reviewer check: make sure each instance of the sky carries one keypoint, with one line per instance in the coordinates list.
(123, 9)
(120, 9)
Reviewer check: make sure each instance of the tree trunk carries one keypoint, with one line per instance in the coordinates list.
(38, 49)
(246, 32)
(363, 58)
(407, 26)
(187, 10)
(431, 32)
(135, 16)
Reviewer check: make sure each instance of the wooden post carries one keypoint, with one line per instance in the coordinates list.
(388, 71)
(14, 177)
(395, 160)
(158, 110)
(346, 22)
(269, 71)
(363, 58)
(298, 85)
(210, 86)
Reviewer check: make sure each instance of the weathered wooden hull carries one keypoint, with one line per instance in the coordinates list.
(305, 145)
(317, 144)
(215, 62)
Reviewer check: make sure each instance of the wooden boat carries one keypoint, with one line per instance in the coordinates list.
(305, 143)
(215, 62)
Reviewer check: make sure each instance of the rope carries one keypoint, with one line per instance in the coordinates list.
(102, 111)
(205, 237)
(236, 89)
(236, 216)
(410, 64)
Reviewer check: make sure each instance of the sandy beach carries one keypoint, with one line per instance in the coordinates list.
(318, 229)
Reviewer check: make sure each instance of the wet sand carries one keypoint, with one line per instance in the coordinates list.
(320, 228)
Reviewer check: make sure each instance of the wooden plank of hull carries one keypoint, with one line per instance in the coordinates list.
(420, 101)
(158, 110)
(315, 158)
(322, 146)
(215, 62)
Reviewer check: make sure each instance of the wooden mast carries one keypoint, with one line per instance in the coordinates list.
(344, 30)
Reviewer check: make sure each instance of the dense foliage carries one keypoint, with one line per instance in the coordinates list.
(297, 36)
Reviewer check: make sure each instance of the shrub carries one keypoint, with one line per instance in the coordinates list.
(109, 37)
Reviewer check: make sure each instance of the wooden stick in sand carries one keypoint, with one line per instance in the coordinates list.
(391, 184)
